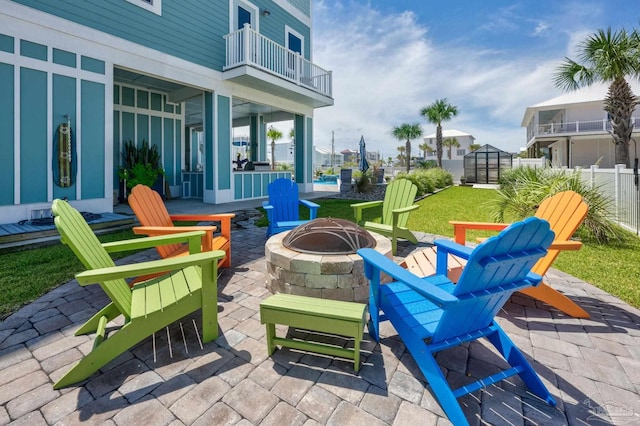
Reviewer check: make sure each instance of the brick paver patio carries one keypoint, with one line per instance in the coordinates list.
(592, 367)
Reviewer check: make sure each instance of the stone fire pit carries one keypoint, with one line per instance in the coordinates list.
(328, 276)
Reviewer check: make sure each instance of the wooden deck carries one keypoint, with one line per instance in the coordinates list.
(25, 233)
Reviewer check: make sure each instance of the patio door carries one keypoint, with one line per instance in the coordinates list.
(294, 47)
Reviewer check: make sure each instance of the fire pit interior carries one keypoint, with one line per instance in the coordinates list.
(319, 259)
(327, 235)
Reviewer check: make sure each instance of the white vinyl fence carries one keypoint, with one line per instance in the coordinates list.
(620, 186)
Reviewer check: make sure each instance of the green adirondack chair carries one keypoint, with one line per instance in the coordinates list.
(397, 204)
(188, 285)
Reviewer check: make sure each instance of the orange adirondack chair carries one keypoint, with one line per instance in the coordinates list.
(564, 211)
(156, 220)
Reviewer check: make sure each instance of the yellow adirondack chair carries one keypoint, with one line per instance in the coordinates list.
(564, 211)
(396, 206)
(156, 220)
(149, 306)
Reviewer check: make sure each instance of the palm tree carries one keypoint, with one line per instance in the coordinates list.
(401, 157)
(474, 147)
(273, 134)
(408, 132)
(439, 111)
(608, 57)
(450, 143)
(426, 149)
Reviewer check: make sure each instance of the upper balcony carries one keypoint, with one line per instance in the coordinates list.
(256, 61)
(583, 128)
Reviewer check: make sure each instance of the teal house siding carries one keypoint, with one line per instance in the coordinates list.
(64, 103)
(7, 129)
(116, 149)
(197, 42)
(168, 157)
(208, 140)
(224, 143)
(34, 136)
(93, 143)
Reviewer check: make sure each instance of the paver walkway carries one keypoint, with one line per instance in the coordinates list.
(592, 367)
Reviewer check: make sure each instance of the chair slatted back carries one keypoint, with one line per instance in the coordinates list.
(564, 211)
(400, 193)
(495, 269)
(77, 234)
(283, 196)
(150, 210)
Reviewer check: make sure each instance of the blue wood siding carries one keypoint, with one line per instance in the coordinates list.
(143, 128)
(189, 29)
(116, 148)
(7, 170)
(64, 102)
(298, 125)
(6, 43)
(93, 127)
(34, 136)
(177, 177)
(224, 142)
(62, 57)
(208, 140)
(168, 157)
(128, 130)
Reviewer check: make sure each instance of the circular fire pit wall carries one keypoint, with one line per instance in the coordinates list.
(319, 259)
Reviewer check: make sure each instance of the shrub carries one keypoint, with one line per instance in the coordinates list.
(429, 180)
(522, 189)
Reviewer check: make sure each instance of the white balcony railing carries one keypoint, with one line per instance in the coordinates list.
(592, 126)
(248, 47)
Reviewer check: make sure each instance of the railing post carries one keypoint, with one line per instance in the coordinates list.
(245, 39)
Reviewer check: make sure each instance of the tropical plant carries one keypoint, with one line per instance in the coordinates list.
(407, 132)
(273, 134)
(608, 57)
(450, 143)
(439, 111)
(523, 188)
(426, 149)
(140, 165)
(428, 180)
(401, 156)
(474, 147)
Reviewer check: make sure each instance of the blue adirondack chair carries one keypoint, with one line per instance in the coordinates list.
(432, 314)
(282, 208)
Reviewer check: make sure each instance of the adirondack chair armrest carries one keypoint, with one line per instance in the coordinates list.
(460, 228)
(397, 212)
(147, 268)
(565, 245)
(375, 262)
(193, 238)
(451, 247)
(164, 230)
(223, 218)
(359, 207)
(313, 208)
(444, 248)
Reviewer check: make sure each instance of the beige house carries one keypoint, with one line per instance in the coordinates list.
(572, 129)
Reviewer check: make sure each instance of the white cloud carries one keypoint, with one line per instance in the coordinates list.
(386, 68)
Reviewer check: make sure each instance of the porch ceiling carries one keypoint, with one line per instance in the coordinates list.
(192, 98)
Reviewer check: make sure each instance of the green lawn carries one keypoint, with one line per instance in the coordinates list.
(613, 268)
(26, 275)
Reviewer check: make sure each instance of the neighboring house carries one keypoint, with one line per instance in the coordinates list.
(322, 157)
(179, 74)
(350, 155)
(573, 129)
(464, 139)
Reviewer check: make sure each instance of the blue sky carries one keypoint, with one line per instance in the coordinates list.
(492, 59)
